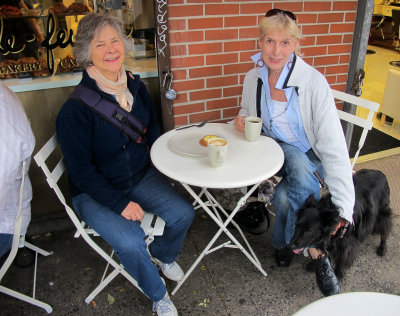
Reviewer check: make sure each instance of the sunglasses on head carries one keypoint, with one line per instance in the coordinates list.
(289, 14)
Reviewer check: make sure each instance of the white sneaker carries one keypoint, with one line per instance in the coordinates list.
(165, 307)
(172, 271)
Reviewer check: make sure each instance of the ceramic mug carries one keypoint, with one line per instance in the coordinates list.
(252, 128)
(217, 149)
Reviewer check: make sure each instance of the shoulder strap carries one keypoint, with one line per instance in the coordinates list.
(259, 88)
(112, 112)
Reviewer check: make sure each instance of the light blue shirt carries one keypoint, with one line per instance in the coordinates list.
(292, 112)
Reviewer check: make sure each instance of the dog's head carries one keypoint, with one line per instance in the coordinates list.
(316, 220)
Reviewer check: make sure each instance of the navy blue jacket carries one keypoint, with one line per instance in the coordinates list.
(100, 159)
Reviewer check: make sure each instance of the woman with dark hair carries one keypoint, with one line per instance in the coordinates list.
(110, 174)
(298, 110)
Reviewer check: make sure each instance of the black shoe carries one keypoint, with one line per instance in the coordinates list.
(326, 278)
(283, 257)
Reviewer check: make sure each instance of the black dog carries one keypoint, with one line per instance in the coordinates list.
(316, 221)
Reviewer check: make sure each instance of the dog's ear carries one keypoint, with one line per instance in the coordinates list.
(310, 202)
(329, 214)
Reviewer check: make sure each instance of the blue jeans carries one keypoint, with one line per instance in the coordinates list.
(5, 243)
(298, 182)
(155, 195)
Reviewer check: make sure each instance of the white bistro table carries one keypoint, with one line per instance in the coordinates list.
(178, 155)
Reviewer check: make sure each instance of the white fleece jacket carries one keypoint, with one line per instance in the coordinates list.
(322, 126)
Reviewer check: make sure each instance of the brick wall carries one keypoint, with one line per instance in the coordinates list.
(212, 40)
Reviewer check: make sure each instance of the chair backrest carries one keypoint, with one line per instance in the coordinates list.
(391, 96)
(53, 176)
(365, 123)
(396, 21)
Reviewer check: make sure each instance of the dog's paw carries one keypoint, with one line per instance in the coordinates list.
(381, 250)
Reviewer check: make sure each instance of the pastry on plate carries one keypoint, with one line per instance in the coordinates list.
(204, 140)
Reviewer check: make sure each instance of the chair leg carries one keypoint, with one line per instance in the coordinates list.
(26, 298)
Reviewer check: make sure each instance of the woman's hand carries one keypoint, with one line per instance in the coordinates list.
(239, 123)
(133, 212)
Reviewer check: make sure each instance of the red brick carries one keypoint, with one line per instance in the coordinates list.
(317, 6)
(200, 1)
(188, 85)
(205, 48)
(342, 78)
(205, 94)
(232, 91)
(209, 115)
(314, 51)
(181, 62)
(181, 120)
(178, 50)
(221, 59)
(184, 37)
(315, 29)
(176, 1)
(221, 9)
(348, 38)
(331, 79)
(205, 72)
(309, 60)
(222, 103)
(179, 74)
(295, 6)
(337, 69)
(181, 97)
(177, 24)
(245, 56)
(238, 68)
(330, 17)
(329, 39)
(231, 113)
(340, 49)
(205, 23)
(307, 41)
(255, 8)
(185, 11)
(190, 108)
(345, 5)
(249, 32)
(214, 35)
(222, 81)
(350, 16)
(342, 28)
(239, 21)
(326, 60)
(307, 18)
(236, 46)
(345, 59)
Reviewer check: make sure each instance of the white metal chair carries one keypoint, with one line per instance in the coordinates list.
(19, 242)
(152, 225)
(365, 123)
(391, 97)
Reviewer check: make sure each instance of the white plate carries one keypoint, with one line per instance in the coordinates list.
(186, 141)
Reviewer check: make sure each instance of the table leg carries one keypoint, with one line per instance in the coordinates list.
(253, 258)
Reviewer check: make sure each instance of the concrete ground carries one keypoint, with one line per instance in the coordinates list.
(224, 283)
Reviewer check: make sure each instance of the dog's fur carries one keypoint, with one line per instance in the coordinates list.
(316, 221)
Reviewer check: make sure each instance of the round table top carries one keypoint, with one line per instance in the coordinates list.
(247, 162)
(354, 304)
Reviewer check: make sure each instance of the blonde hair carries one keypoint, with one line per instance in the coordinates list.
(279, 22)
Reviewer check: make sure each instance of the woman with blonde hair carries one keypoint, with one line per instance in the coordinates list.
(297, 107)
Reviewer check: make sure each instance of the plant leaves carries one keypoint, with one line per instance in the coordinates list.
(111, 299)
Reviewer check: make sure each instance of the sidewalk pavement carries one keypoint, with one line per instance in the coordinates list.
(224, 283)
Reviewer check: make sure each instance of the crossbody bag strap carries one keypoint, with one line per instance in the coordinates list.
(112, 112)
(258, 102)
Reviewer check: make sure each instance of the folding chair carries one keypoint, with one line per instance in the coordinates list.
(366, 124)
(151, 224)
(19, 242)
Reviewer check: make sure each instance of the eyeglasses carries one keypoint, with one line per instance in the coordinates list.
(289, 14)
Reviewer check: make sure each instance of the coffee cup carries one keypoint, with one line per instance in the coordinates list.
(217, 149)
(252, 128)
